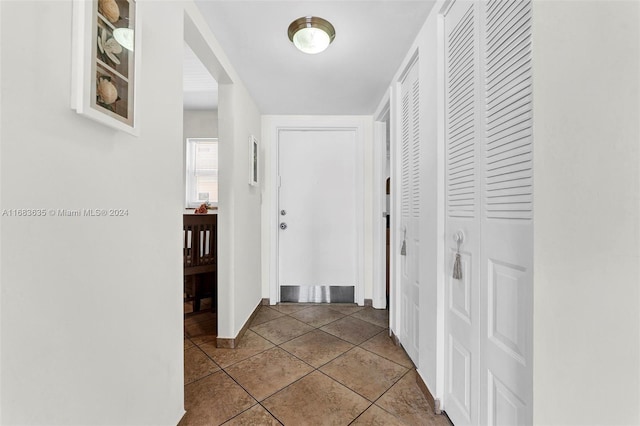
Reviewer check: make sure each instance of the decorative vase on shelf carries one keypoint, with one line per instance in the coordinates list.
(202, 209)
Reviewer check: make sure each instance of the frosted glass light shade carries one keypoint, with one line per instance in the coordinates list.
(311, 34)
(125, 37)
(311, 40)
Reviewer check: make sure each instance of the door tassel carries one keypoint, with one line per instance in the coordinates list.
(457, 268)
(457, 265)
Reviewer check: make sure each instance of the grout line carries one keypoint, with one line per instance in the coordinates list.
(272, 415)
(201, 378)
(241, 412)
(346, 387)
(313, 369)
(281, 389)
(360, 415)
(388, 359)
(242, 387)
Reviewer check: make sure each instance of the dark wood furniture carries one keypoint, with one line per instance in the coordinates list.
(200, 258)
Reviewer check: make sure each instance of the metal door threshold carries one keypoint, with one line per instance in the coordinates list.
(317, 294)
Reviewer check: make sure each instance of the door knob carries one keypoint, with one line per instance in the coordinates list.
(283, 225)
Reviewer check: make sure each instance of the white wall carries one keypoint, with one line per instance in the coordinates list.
(429, 172)
(200, 123)
(91, 310)
(91, 307)
(238, 211)
(426, 47)
(586, 215)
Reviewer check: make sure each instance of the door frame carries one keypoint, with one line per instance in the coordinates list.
(272, 127)
(381, 117)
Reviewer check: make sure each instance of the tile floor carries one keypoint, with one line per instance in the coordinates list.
(302, 364)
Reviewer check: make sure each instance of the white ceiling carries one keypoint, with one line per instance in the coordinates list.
(350, 77)
(200, 88)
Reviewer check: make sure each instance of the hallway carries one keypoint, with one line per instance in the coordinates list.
(303, 364)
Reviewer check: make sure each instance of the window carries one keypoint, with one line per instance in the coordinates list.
(202, 172)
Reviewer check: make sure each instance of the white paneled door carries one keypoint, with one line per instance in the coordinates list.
(317, 246)
(462, 178)
(410, 211)
(489, 203)
(507, 216)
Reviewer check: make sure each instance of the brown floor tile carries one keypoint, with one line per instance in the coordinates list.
(256, 415)
(317, 348)
(187, 343)
(197, 365)
(202, 331)
(379, 317)
(352, 329)
(250, 345)
(200, 317)
(364, 372)
(317, 316)
(405, 401)
(289, 308)
(346, 308)
(383, 345)
(282, 329)
(214, 400)
(266, 373)
(376, 416)
(316, 400)
(266, 314)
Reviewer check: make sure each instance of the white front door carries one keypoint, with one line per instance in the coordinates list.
(410, 212)
(489, 190)
(317, 246)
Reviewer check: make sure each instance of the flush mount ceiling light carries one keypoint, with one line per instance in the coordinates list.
(124, 36)
(311, 34)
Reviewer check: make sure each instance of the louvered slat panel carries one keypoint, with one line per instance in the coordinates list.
(461, 83)
(405, 184)
(508, 151)
(511, 185)
(415, 148)
(514, 198)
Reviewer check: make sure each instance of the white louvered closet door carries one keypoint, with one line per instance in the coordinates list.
(462, 154)
(489, 199)
(410, 211)
(507, 219)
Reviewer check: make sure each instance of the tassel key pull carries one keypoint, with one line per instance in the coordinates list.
(458, 237)
(403, 248)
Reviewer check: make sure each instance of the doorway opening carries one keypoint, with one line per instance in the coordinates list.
(382, 229)
(199, 217)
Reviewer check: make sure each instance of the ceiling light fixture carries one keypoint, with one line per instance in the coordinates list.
(311, 34)
(125, 37)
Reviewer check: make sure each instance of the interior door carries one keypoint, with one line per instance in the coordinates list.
(410, 212)
(489, 192)
(317, 247)
(507, 213)
(462, 359)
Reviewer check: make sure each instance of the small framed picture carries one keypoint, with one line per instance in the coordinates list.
(106, 52)
(253, 150)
